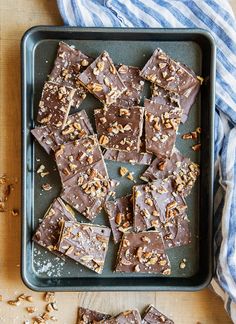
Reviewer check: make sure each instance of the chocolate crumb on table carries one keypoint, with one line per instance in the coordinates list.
(126, 317)
(142, 252)
(153, 316)
(89, 316)
(85, 243)
(102, 79)
(180, 170)
(161, 125)
(54, 105)
(48, 231)
(120, 215)
(119, 128)
(69, 63)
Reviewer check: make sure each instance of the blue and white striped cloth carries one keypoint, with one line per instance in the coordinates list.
(216, 16)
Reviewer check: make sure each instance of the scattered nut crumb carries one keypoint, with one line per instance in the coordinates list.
(130, 177)
(29, 299)
(196, 147)
(46, 187)
(15, 212)
(31, 309)
(14, 302)
(41, 168)
(1, 298)
(123, 171)
(182, 264)
(49, 297)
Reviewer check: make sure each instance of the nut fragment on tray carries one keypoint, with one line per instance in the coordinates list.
(161, 125)
(180, 170)
(85, 243)
(153, 316)
(89, 316)
(156, 206)
(129, 316)
(142, 252)
(54, 105)
(48, 231)
(77, 126)
(69, 63)
(102, 79)
(119, 128)
(128, 157)
(120, 215)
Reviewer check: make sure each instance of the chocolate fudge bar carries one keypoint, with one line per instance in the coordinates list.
(129, 157)
(169, 74)
(134, 84)
(153, 316)
(155, 205)
(161, 125)
(185, 101)
(85, 243)
(54, 105)
(102, 79)
(69, 63)
(89, 316)
(182, 172)
(77, 126)
(126, 317)
(120, 215)
(142, 253)
(119, 128)
(48, 231)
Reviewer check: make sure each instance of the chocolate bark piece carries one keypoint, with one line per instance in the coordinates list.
(89, 316)
(142, 253)
(102, 79)
(186, 100)
(161, 125)
(180, 170)
(156, 206)
(77, 126)
(168, 73)
(48, 231)
(119, 128)
(69, 63)
(54, 105)
(129, 157)
(85, 243)
(153, 316)
(129, 316)
(134, 84)
(120, 215)
(74, 157)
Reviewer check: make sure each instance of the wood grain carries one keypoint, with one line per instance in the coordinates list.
(185, 308)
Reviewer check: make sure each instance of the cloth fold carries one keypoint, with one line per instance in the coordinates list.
(218, 18)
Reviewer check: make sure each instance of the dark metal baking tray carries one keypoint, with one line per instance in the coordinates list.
(43, 271)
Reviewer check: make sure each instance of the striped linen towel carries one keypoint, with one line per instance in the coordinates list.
(217, 17)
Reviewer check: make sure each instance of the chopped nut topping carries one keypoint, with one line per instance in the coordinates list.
(84, 63)
(103, 140)
(123, 171)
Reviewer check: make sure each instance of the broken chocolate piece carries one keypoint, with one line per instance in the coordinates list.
(69, 63)
(89, 316)
(126, 317)
(102, 79)
(48, 231)
(153, 316)
(180, 170)
(161, 125)
(120, 215)
(129, 157)
(119, 128)
(142, 253)
(85, 243)
(54, 105)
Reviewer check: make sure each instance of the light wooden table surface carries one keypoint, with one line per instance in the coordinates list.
(185, 308)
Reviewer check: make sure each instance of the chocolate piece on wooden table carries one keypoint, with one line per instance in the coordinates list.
(181, 171)
(120, 215)
(89, 316)
(54, 105)
(153, 316)
(119, 128)
(142, 253)
(85, 243)
(102, 79)
(69, 63)
(77, 126)
(48, 231)
(129, 157)
(161, 125)
(155, 205)
(126, 317)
